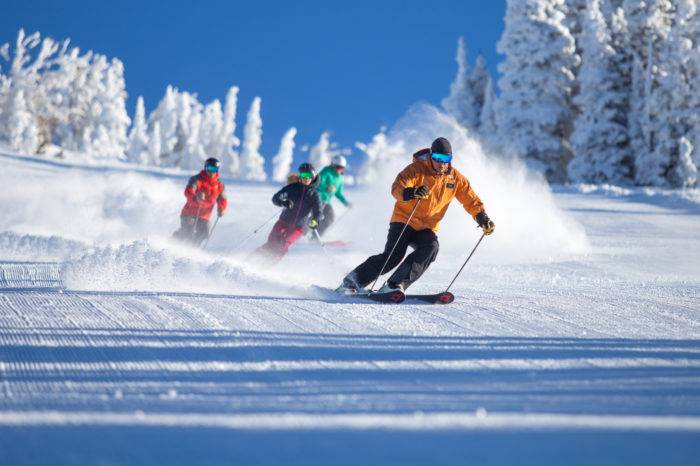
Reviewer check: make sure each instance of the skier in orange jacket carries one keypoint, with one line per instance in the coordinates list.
(423, 192)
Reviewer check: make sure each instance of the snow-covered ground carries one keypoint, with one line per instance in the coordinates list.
(574, 337)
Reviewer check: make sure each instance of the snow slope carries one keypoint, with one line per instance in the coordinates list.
(574, 341)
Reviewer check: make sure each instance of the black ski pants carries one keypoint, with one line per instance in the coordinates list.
(193, 229)
(327, 220)
(425, 245)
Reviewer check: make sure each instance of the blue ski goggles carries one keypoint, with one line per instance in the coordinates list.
(442, 158)
(212, 168)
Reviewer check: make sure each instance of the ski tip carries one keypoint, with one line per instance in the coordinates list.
(445, 298)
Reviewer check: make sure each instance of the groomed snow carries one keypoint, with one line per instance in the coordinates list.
(574, 337)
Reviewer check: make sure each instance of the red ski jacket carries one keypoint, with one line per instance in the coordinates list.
(213, 191)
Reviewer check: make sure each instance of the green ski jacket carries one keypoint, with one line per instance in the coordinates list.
(331, 184)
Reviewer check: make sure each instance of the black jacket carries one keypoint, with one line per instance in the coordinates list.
(306, 201)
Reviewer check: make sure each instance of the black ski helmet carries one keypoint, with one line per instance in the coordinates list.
(307, 167)
(441, 146)
(212, 162)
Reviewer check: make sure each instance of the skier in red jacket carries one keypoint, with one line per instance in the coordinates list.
(202, 192)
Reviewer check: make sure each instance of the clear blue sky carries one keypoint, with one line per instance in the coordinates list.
(349, 67)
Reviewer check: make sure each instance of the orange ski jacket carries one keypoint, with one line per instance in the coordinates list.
(443, 188)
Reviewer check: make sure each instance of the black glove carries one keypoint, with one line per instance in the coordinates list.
(485, 223)
(288, 203)
(421, 192)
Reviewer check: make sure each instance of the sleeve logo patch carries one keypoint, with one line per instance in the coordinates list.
(450, 186)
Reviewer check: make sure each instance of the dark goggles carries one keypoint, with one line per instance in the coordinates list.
(442, 158)
(212, 168)
(306, 176)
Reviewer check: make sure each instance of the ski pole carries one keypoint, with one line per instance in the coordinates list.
(323, 246)
(465, 262)
(211, 232)
(255, 232)
(395, 244)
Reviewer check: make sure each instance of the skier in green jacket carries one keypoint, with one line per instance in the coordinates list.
(331, 185)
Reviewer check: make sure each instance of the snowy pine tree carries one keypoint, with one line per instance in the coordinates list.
(321, 153)
(380, 154)
(324, 150)
(137, 149)
(534, 109)
(20, 92)
(671, 95)
(467, 91)
(282, 162)
(252, 162)
(154, 144)
(227, 138)
(461, 101)
(600, 141)
(488, 128)
(19, 128)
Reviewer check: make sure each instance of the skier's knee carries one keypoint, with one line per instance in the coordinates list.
(432, 248)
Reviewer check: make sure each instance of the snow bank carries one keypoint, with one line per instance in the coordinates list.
(529, 225)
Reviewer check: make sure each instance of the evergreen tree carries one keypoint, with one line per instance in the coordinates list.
(252, 162)
(282, 162)
(380, 154)
(467, 91)
(137, 149)
(534, 109)
(600, 141)
(488, 127)
(228, 138)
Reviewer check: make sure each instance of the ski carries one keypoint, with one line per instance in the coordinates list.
(338, 243)
(438, 298)
(395, 297)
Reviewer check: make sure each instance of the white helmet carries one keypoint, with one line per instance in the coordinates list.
(339, 161)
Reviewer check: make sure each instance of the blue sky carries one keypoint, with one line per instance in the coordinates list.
(348, 67)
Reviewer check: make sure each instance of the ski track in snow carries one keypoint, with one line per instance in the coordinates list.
(588, 359)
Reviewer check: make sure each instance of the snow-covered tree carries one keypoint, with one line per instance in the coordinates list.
(21, 96)
(20, 129)
(154, 143)
(659, 91)
(179, 115)
(211, 129)
(488, 128)
(322, 153)
(534, 109)
(671, 94)
(252, 162)
(693, 104)
(467, 91)
(104, 132)
(282, 162)
(137, 149)
(600, 141)
(165, 115)
(379, 152)
(228, 139)
(75, 101)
